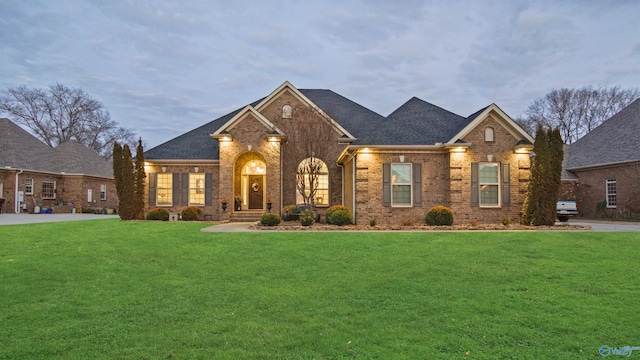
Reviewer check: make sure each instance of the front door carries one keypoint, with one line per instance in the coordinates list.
(255, 192)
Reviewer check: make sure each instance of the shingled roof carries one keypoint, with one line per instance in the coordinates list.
(416, 122)
(21, 150)
(615, 141)
(197, 144)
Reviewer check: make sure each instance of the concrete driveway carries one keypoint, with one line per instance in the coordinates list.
(616, 226)
(15, 219)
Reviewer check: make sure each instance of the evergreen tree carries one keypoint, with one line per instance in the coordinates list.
(117, 168)
(127, 199)
(554, 174)
(546, 168)
(139, 182)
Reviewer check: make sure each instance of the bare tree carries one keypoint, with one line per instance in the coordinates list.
(311, 141)
(576, 111)
(61, 114)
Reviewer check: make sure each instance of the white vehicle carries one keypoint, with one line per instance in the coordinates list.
(565, 209)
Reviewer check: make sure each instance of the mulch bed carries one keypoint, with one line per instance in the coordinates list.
(295, 226)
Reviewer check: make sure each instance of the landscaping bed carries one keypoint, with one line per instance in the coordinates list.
(296, 226)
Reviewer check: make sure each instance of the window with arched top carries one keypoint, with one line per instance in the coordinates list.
(312, 180)
(488, 134)
(286, 112)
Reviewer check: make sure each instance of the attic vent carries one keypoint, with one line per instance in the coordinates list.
(488, 134)
(286, 112)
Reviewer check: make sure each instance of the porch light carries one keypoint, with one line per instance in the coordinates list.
(459, 149)
(523, 147)
(223, 137)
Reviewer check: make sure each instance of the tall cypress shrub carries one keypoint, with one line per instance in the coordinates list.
(127, 200)
(117, 169)
(544, 186)
(139, 182)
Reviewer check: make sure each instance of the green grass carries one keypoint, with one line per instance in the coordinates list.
(107, 289)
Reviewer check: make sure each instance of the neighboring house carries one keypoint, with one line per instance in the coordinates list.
(602, 169)
(393, 168)
(69, 176)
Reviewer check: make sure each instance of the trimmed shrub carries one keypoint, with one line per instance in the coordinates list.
(270, 219)
(291, 212)
(439, 216)
(331, 210)
(191, 213)
(373, 222)
(341, 217)
(307, 218)
(158, 214)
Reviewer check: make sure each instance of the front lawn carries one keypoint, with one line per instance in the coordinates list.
(107, 289)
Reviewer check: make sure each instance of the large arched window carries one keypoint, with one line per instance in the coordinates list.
(312, 182)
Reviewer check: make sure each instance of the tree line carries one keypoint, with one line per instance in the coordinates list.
(60, 113)
(576, 112)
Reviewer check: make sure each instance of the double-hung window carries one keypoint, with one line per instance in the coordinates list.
(28, 186)
(48, 189)
(165, 189)
(103, 191)
(489, 183)
(401, 184)
(612, 201)
(196, 189)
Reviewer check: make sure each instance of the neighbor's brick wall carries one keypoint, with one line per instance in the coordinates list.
(591, 189)
(69, 189)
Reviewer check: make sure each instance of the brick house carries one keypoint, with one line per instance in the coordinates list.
(69, 176)
(392, 168)
(601, 169)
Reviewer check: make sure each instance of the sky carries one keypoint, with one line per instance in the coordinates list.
(162, 68)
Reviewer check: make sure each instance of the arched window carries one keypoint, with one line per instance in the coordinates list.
(312, 180)
(286, 112)
(488, 134)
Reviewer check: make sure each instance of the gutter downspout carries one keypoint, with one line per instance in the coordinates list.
(16, 205)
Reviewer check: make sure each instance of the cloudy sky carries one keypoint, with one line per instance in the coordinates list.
(162, 68)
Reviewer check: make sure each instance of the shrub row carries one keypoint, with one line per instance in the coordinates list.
(190, 213)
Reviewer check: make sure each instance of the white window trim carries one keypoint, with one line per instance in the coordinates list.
(53, 190)
(614, 194)
(299, 197)
(410, 183)
(103, 191)
(192, 187)
(26, 187)
(169, 189)
(480, 183)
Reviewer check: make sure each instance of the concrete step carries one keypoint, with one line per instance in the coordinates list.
(245, 216)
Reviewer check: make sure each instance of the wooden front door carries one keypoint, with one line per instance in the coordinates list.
(256, 192)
